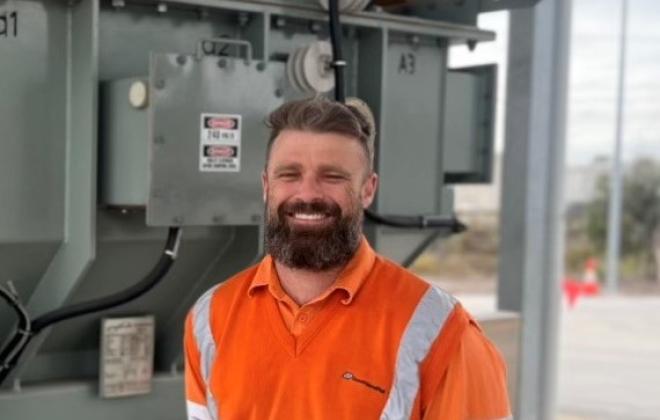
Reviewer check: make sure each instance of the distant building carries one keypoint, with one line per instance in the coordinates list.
(482, 201)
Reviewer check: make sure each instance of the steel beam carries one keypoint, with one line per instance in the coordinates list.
(531, 247)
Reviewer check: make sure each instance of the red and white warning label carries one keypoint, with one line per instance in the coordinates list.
(220, 143)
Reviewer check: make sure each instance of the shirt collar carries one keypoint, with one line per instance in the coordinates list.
(350, 279)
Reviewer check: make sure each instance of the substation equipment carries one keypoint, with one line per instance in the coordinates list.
(121, 119)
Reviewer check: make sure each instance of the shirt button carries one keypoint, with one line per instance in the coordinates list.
(303, 318)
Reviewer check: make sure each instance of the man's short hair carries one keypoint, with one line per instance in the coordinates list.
(321, 115)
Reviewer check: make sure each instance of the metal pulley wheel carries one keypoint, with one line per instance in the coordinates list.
(309, 68)
(350, 6)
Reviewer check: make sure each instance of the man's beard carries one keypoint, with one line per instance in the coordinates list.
(314, 248)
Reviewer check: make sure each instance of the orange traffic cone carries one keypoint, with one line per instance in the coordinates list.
(590, 285)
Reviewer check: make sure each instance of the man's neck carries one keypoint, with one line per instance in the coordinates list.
(303, 286)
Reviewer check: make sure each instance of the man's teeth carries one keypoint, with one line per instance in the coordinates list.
(307, 216)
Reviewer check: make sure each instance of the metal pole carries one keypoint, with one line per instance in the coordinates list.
(616, 187)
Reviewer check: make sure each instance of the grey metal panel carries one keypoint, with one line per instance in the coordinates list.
(123, 154)
(77, 252)
(80, 400)
(531, 245)
(127, 35)
(456, 33)
(410, 157)
(469, 134)
(182, 91)
(32, 120)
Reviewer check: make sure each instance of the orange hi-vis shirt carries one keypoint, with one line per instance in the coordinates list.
(379, 344)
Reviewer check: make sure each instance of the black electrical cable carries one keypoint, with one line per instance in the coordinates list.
(11, 353)
(23, 328)
(338, 64)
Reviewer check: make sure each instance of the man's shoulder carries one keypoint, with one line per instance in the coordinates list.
(397, 276)
(229, 288)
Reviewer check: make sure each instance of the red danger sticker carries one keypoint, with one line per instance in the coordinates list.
(220, 151)
(218, 122)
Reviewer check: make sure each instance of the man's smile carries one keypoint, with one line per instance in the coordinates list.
(304, 218)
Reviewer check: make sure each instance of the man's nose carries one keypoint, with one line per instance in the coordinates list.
(310, 189)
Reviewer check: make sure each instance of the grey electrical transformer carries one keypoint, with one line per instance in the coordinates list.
(106, 110)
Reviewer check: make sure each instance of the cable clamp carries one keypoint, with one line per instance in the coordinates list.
(23, 332)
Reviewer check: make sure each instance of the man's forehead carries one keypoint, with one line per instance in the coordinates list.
(297, 143)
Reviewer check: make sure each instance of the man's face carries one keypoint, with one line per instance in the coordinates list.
(316, 186)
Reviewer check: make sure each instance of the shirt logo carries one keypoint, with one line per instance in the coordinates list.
(350, 377)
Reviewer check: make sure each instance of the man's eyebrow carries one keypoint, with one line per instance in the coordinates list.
(286, 167)
(334, 168)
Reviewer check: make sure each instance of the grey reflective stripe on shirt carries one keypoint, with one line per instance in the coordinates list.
(422, 330)
(205, 345)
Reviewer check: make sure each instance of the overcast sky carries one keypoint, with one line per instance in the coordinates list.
(593, 76)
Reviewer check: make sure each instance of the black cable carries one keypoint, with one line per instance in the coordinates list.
(420, 222)
(11, 353)
(23, 329)
(338, 64)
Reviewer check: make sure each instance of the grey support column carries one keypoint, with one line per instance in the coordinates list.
(531, 247)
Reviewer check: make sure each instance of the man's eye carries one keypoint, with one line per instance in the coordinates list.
(335, 177)
(288, 175)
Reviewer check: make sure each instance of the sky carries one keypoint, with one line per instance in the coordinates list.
(594, 64)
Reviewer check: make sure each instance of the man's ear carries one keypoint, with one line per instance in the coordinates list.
(369, 188)
(264, 185)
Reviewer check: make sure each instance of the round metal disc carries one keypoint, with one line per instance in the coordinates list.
(344, 5)
(316, 72)
(300, 70)
(295, 71)
(289, 70)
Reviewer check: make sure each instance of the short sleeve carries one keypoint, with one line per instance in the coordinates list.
(474, 383)
(194, 383)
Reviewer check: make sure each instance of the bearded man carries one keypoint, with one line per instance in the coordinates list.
(323, 327)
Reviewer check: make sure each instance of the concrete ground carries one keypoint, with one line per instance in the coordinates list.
(609, 361)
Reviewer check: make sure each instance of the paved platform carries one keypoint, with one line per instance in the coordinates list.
(609, 362)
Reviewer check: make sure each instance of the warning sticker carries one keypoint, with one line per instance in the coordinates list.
(220, 143)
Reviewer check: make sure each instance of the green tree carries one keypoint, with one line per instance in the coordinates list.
(640, 233)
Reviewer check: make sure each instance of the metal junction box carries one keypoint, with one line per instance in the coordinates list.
(194, 154)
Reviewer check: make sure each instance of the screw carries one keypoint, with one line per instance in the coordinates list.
(160, 84)
(177, 220)
(280, 22)
(243, 19)
(218, 219)
(261, 66)
(414, 40)
(314, 27)
(222, 63)
(256, 218)
(203, 13)
(161, 8)
(118, 3)
(124, 211)
(278, 93)
(181, 59)
(159, 140)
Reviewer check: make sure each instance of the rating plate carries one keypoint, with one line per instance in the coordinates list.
(127, 354)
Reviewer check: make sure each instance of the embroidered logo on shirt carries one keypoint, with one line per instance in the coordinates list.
(350, 377)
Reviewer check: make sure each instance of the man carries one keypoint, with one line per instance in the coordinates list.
(323, 327)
